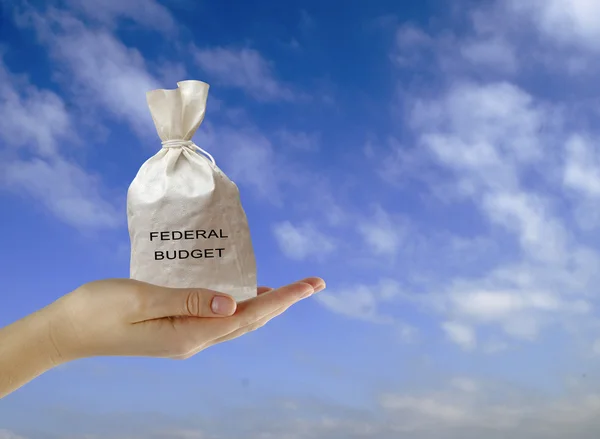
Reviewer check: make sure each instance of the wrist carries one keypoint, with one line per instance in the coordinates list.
(52, 343)
(59, 337)
(27, 350)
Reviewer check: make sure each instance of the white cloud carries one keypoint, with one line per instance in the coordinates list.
(36, 120)
(494, 347)
(65, 189)
(148, 13)
(540, 233)
(363, 302)
(399, 164)
(521, 314)
(596, 347)
(483, 128)
(493, 140)
(490, 137)
(430, 407)
(6, 434)
(486, 146)
(303, 241)
(518, 299)
(456, 54)
(498, 305)
(97, 68)
(307, 22)
(408, 36)
(465, 384)
(565, 21)
(461, 334)
(249, 158)
(297, 140)
(322, 195)
(493, 53)
(462, 408)
(502, 411)
(544, 38)
(31, 118)
(582, 166)
(181, 434)
(408, 333)
(382, 233)
(245, 69)
(369, 303)
(411, 44)
(104, 73)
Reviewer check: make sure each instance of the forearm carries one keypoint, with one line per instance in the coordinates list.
(27, 350)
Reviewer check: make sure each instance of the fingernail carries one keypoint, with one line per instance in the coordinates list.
(223, 306)
(308, 292)
(320, 287)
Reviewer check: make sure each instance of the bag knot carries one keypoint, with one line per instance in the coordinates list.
(177, 143)
(180, 143)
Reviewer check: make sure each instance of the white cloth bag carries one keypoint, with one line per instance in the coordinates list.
(186, 223)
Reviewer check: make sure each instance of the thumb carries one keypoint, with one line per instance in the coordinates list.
(186, 302)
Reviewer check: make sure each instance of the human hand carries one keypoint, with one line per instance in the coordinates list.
(130, 318)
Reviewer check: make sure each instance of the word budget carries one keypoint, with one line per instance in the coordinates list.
(196, 253)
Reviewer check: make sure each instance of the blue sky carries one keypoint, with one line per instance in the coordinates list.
(436, 163)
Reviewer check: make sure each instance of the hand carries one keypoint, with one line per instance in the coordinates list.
(127, 317)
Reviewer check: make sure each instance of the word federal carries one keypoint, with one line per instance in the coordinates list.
(187, 234)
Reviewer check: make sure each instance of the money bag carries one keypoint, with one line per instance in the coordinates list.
(186, 223)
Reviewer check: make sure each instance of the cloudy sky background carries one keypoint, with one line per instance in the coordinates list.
(436, 163)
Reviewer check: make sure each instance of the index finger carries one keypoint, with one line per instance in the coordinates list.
(251, 310)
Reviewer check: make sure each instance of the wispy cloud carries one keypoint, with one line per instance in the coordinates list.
(30, 117)
(36, 120)
(477, 137)
(564, 21)
(6, 434)
(245, 69)
(147, 13)
(297, 140)
(461, 334)
(69, 192)
(582, 168)
(303, 241)
(489, 136)
(96, 66)
(494, 53)
(382, 233)
(363, 302)
(460, 407)
(249, 158)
